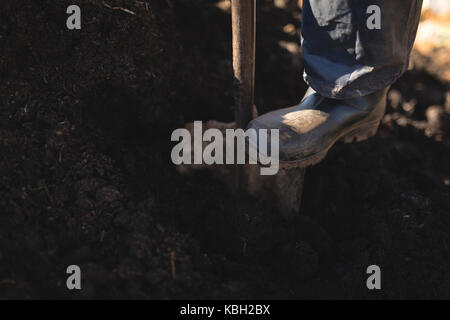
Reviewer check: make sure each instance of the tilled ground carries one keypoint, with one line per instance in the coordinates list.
(86, 176)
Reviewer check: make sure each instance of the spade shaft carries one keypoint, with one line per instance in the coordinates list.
(244, 30)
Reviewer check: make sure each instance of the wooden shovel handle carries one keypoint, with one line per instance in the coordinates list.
(244, 32)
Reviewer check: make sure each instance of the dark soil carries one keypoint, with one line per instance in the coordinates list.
(86, 176)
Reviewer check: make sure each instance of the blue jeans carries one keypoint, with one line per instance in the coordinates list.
(344, 58)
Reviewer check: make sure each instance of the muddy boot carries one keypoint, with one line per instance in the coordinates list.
(308, 130)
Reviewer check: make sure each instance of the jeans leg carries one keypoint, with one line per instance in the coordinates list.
(344, 58)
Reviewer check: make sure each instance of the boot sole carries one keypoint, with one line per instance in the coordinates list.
(359, 134)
